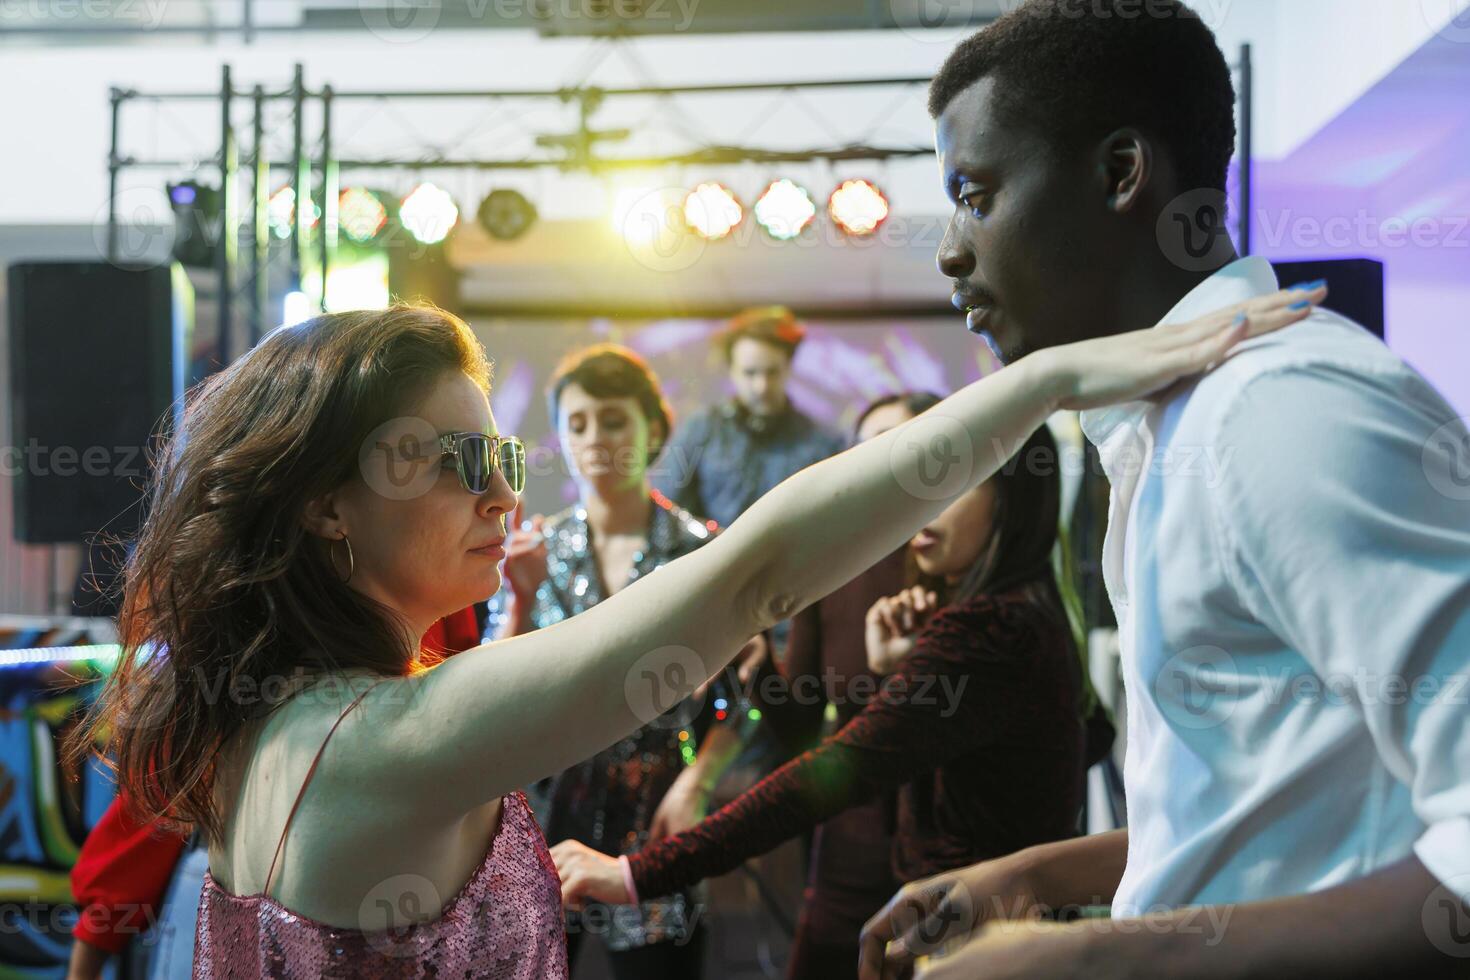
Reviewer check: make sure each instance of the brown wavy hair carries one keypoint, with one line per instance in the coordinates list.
(229, 603)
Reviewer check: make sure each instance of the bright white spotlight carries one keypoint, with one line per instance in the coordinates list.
(712, 210)
(857, 207)
(296, 308)
(784, 209)
(428, 213)
(644, 215)
(651, 223)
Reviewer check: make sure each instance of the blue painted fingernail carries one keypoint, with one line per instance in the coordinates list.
(1239, 319)
(1307, 287)
(1304, 304)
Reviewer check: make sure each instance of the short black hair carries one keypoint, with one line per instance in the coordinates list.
(613, 371)
(1074, 71)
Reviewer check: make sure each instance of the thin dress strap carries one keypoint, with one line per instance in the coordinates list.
(280, 843)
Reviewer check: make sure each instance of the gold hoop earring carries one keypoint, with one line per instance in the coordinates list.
(351, 562)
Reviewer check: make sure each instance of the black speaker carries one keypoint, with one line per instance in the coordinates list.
(97, 361)
(1356, 287)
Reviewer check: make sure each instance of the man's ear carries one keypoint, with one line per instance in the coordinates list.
(1125, 165)
(320, 517)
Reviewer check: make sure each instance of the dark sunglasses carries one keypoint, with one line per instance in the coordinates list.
(477, 456)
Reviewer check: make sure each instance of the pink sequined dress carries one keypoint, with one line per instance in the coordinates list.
(505, 923)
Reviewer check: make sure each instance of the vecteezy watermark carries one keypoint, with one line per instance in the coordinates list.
(661, 686)
(1450, 19)
(401, 460)
(149, 13)
(1194, 232)
(1208, 921)
(34, 459)
(1446, 459)
(597, 919)
(1361, 229)
(404, 21)
(299, 685)
(938, 20)
(676, 15)
(33, 915)
(933, 457)
(658, 229)
(831, 687)
(1198, 462)
(1201, 687)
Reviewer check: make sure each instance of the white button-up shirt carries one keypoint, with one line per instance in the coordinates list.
(1288, 555)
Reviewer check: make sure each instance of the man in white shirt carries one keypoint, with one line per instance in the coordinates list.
(1288, 549)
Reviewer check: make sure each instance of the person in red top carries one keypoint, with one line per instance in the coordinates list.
(124, 868)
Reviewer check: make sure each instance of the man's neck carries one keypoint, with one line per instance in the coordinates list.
(1146, 297)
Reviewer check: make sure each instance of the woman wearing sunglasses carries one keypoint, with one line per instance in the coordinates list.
(363, 816)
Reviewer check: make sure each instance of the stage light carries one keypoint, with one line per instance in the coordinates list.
(857, 207)
(297, 307)
(784, 209)
(649, 217)
(361, 214)
(360, 283)
(196, 222)
(428, 213)
(280, 212)
(506, 214)
(712, 210)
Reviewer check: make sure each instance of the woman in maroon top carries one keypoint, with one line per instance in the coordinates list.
(848, 876)
(979, 725)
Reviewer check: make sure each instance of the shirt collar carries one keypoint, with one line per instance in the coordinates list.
(1241, 280)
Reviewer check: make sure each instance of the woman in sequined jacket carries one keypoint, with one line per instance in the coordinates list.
(611, 421)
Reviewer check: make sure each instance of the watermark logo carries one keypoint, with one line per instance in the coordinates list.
(1446, 918)
(933, 457)
(655, 229)
(663, 680)
(392, 908)
(400, 459)
(400, 21)
(1193, 231)
(934, 916)
(144, 231)
(1450, 19)
(948, 21)
(1192, 687)
(1446, 459)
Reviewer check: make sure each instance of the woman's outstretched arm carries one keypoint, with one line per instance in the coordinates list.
(981, 677)
(499, 716)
